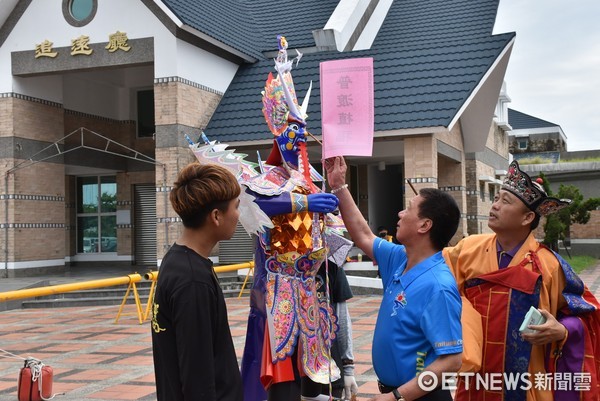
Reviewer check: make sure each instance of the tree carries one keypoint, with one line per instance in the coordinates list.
(558, 225)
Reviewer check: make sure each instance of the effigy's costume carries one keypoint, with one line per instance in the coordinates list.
(287, 324)
(498, 298)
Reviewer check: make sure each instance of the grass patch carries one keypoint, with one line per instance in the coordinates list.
(534, 160)
(580, 262)
(580, 160)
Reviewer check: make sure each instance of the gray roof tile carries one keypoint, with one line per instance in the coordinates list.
(295, 19)
(251, 26)
(413, 88)
(428, 56)
(518, 120)
(225, 21)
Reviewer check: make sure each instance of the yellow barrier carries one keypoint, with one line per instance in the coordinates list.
(61, 288)
(153, 275)
(138, 304)
(130, 280)
(251, 271)
(229, 268)
(150, 276)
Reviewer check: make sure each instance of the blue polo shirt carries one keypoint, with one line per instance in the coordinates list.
(419, 317)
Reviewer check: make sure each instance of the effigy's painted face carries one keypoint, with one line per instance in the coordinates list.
(289, 141)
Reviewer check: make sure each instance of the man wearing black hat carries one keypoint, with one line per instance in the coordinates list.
(500, 277)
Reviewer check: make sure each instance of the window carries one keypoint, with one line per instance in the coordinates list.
(145, 113)
(81, 9)
(96, 214)
(79, 12)
(522, 144)
(482, 191)
(492, 192)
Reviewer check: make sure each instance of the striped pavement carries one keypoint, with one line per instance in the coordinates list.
(95, 358)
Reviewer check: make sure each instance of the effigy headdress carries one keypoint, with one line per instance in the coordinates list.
(280, 104)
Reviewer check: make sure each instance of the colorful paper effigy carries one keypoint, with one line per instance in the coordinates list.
(293, 241)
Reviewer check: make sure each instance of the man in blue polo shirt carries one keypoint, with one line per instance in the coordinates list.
(418, 335)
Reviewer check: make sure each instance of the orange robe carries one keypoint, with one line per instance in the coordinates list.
(475, 256)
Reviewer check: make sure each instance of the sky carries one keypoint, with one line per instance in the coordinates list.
(554, 68)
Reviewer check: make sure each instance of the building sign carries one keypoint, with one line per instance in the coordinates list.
(81, 45)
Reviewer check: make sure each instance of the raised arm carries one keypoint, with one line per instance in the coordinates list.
(289, 202)
(354, 221)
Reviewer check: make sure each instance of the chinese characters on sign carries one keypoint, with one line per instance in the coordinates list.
(44, 49)
(81, 45)
(347, 110)
(117, 41)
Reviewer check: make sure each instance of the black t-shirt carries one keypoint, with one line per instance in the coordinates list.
(339, 289)
(194, 356)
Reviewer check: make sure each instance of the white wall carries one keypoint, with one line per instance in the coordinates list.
(49, 87)
(43, 20)
(204, 68)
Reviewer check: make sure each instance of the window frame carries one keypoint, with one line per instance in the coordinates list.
(522, 144)
(99, 214)
(68, 16)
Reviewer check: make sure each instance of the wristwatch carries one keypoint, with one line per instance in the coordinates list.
(397, 395)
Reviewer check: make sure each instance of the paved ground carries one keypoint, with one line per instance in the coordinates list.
(95, 359)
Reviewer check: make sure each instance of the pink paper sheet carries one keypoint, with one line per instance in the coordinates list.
(347, 110)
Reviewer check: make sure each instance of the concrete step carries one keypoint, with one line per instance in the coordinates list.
(363, 278)
(100, 301)
(98, 293)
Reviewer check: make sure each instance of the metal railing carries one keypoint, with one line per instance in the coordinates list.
(62, 288)
(130, 280)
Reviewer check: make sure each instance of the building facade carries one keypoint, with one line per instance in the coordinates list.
(541, 147)
(93, 105)
(96, 98)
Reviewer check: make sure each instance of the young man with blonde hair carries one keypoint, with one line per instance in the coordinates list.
(194, 356)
